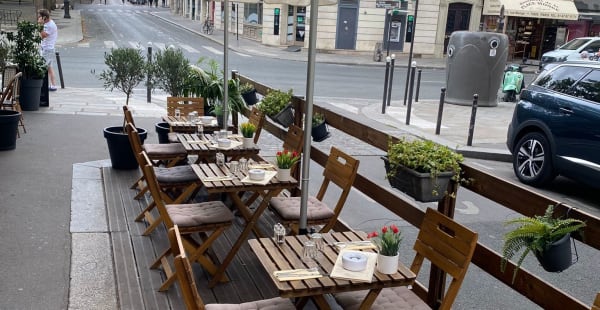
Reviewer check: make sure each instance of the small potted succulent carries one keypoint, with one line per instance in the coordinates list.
(421, 168)
(319, 128)
(248, 130)
(547, 237)
(248, 93)
(276, 105)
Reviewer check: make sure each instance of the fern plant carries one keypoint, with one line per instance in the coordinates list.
(535, 234)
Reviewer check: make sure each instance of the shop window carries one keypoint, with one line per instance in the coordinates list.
(253, 13)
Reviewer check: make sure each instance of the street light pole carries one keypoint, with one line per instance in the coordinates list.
(412, 44)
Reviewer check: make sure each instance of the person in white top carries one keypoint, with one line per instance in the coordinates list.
(49, 35)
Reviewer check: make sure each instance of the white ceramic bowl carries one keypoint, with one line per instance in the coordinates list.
(256, 174)
(206, 119)
(224, 142)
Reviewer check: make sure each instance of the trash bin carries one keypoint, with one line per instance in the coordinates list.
(475, 65)
(162, 130)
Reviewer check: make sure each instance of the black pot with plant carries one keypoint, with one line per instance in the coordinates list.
(547, 237)
(169, 71)
(127, 68)
(248, 93)
(9, 124)
(319, 130)
(421, 168)
(276, 105)
(26, 55)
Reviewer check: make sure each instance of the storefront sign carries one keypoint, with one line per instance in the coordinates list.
(550, 9)
(387, 4)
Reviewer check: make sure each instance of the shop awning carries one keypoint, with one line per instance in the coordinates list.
(551, 9)
(300, 2)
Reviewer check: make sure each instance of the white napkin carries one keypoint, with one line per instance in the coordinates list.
(216, 179)
(260, 166)
(296, 274)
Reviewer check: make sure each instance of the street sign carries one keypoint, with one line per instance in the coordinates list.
(387, 4)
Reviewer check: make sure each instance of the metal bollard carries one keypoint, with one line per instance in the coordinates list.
(418, 85)
(410, 91)
(440, 111)
(60, 74)
(385, 83)
(148, 88)
(472, 122)
(391, 81)
(67, 6)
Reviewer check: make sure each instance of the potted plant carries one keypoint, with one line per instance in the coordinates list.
(421, 168)
(126, 69)
(285, 161)
(545, 236)
(26, 55)
(319, 130)
(388, 244)
(169, 70)
(248, 93)
(248, 130)
(276, 105)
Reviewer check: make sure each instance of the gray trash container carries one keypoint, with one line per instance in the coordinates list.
(475, 65)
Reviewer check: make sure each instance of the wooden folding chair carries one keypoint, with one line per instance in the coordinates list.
(256, 118)
(9, 72)
(186, 105)
(11, 95)
(202, 218)
(447, 245)
(596, 305)
(340, 170)
(189, 290)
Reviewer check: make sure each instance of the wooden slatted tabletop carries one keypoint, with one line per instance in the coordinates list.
(182, 124)
(275, 257)
(202, 146)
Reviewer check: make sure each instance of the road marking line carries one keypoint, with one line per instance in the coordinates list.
(135, 45)
(344, 106)
(110, 44)
(470, 209)
(160, 46)
(260, 52)
(243, 55)
(483, 166)
(189, 48)
(213, 50)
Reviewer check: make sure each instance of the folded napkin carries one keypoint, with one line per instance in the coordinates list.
(198, 142)
(217, 179)
(235, 136)
(355, 245)
(296, 274)
(260, 166)
(233, 144)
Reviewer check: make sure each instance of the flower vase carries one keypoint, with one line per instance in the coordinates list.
(248, 142)
(387, 264)
(284, 174)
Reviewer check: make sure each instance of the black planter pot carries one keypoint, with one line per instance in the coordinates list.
(320, 132)
(119, 148)
(162, 130)
(9, 124)
(285, 117)
(418, 185)
(250, 97)
(558, 256)
(31, 89)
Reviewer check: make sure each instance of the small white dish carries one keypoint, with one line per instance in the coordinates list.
(206, 119)
(224, 142)
(256, 174)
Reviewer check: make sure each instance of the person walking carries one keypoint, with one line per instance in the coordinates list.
(49, 35)
(150, 1)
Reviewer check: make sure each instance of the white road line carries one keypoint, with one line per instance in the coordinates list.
(213, 50)
(160, 46)
(261, 53)
(470, 209)
(87, 44)
(110, 44)
(344, 106)
(189, 49)
(243, 55)
(135, 44)
(482, 166)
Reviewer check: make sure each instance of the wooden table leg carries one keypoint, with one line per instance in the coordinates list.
(369, 299)
(241, 239)
(321, 302)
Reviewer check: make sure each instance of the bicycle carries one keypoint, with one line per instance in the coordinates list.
(208, 26)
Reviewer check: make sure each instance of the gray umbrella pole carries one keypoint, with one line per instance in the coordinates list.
(226, 65)
(310, 86)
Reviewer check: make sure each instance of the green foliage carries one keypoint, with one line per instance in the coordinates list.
(169, 71)
(275, 101)
(317, 119)
(388, 240)
(423, 156)
(126, 69)
(26, 51)
(247, 129)
(535, 234)
(246, 88)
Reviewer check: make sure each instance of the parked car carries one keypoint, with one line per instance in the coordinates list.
(572, 50)
(555, 127)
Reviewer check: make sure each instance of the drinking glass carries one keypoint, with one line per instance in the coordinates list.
(220, 159)
(200, 130)
(309, 253)
(279, 233)
(244, 164)
(234, 167)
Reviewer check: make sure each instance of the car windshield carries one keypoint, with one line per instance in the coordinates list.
(574, 44)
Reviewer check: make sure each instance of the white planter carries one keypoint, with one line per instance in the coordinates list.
(387, 264)
(248, 143)
(284, 174)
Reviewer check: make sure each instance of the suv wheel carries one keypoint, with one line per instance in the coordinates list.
(532, 160)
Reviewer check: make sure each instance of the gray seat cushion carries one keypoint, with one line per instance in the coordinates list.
(165, 149)
(195, 214)
(177, 174)
(266, 304)
(389, 298)
(172, 137)
(289, 208)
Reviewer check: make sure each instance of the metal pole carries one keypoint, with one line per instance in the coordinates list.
(60, 74)
(472, 122)
(237, 22)
(149, 77)
(440, 111)
(385, 83)
(418, 85)
(391, 80)
(410, 93)
(226, 65)
(310, 87)
(412, 44)
(389, 29)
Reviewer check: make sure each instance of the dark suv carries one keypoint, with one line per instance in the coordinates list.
(555, 127)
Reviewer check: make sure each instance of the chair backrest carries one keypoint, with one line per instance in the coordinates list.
(8, 73)
(17, 88)
(596, 305)
(447, 245)
(341, 170)
(135, 141)
(185, 274)
(155, 191)
(8, 91)
(256, 118)
(185, 105)
(294, 139)
(128, 116)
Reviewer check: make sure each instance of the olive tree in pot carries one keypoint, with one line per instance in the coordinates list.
(545, 236)
(25, 53)
(127, 67)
